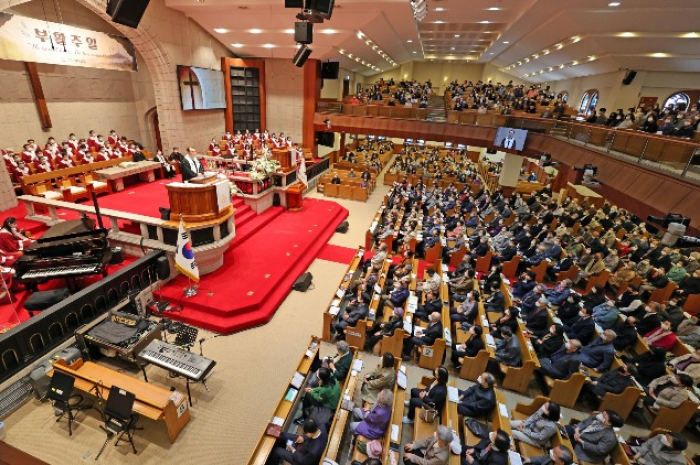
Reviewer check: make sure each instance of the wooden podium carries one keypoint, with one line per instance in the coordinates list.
(197, 202)
(284, 157)
(295, 197)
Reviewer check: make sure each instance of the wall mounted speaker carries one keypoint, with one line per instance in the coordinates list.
(294, 4)
(303, 33)
(324, 8)
(127, 12)
(301, 56)
(629, 77)
(330, 70)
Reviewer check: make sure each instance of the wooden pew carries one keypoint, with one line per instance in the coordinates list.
(154, 402)
(284, 407)
(330, 314)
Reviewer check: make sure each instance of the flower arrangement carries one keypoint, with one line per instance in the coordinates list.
(233, 188)
(263, 167)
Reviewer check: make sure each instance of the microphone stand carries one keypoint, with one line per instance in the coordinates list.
(204, 339)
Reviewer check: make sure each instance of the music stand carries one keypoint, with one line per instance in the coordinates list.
(118, 417)
(60, 392)
(186, 336)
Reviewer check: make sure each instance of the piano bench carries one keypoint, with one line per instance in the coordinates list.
(42, 300)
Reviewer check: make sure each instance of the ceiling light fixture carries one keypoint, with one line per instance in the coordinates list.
(456, 35)
(328, 31)
(255, 31)
(506, 42)
(269, 46)
(236, 45)
(439, 22)
(409, 41)
(627, 34)
(420, 9)
(485, 22)
(614, 4)
(493, 8)
(220, 30)
(659, 55)
(690, 35)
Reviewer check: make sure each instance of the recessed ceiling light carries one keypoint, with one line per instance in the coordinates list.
(349, 55)
(236, 45)
(409, 41)
(220, 30)
(493, 8)
(439, 9)
(456, 35)
(255, 31)
(614, 4)
(415, 52)
(269, 46)
(439, 22)
(360, 35)
(690, 35)
(627, 34)
(453, 48)
(328, 31)
(659, 55)
(485, 22)
(506, 42)
(490, 53)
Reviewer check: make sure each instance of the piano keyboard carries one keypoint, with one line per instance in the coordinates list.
(182, 362)
(61, 271)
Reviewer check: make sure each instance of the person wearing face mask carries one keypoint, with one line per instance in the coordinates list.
(528, 301)
(614, 381)
(508, 350)
(537, 322)
(383, 328)
(606, 315)
(663, 336)
(583, 328)
(468, 348)
(668, 391)
(568, 311)
(686, 130)
(549, 344)
(479, 399)
(426, 337)
(559, 455)
(539, 428)
(689, 331)
(495, 302)
(558, 294)
(649, 125)
(467, 311)
(489, 451)
(306, 448)
(562, 363)
(435, 394)
(595, 297)
(661, 449)
(13, 240)
(594, 438)
(433, 450)
(524, 285)
(599, 355)
(626, 331)
(651, 319)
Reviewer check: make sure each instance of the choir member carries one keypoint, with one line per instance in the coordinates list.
(12, 240)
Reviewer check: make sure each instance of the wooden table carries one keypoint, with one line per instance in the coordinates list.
(152, 401)
(145, 170)
(580, 192)
(12, 456)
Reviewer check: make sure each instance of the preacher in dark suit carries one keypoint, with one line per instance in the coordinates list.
(190, 166)
(509, 142)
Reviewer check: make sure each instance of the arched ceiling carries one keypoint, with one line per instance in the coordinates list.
(551, 39)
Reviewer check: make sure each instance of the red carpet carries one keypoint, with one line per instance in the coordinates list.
(336, 253)
(258, 274)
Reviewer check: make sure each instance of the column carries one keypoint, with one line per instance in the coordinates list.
(312, 94)
(510, 173)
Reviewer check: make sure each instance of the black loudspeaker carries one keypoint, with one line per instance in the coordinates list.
(301, 56)
(303, 282)
(491, 151)
(343, 227)
(324, 8)
(163, 268)
(629, 77)
(326, 138)
(164, 213)
(303, 33)
(127, 12)
(330, 70)
(275, 200)
(294, 4)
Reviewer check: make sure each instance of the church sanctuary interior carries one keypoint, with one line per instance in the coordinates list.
(350, 232)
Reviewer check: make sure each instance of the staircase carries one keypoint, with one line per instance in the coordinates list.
(436, 108)
(242, 212)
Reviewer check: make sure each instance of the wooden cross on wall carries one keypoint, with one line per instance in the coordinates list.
(191, 84)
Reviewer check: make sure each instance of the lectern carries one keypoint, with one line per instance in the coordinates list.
(198, 202)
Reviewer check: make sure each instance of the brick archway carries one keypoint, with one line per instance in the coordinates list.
(159, 63)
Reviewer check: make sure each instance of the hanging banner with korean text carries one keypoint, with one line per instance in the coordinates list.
(34, 40)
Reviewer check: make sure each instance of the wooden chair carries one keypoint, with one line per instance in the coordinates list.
(540, 271)
(71, 193)
(434, 252)
(484, 263)
(518, 378)
(675, 419)
(663, 294)
(692, 304)
(571, 274)
(45, 189)
(431, 357)
(99, 187)
(394, 343)
(565, 392)
(356, 335)
(473, 367)
(421, 429)
(601, 278)
(523, 412)
(457, 256)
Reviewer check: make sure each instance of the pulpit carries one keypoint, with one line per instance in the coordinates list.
(295, 197)
(284, 157)
(199, 202)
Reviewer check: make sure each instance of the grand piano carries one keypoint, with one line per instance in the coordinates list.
(71, 249)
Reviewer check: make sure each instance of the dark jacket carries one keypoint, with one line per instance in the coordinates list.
(537, 322)
(648, 323)
(583, 329)
(509, 352)
(495, 302)
(342, 366)
(550, 344)
(477, 400)
(626, 335)
(611, 381)
(596, 445)
(437, 396)
(561, 365)
(598, 355)
(432, 333)
(492, 457)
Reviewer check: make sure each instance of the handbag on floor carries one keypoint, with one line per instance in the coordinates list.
(477, 428)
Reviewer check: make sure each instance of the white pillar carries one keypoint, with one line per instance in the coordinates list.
(510, 173)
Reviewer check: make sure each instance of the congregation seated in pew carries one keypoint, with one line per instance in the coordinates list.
(594, 438)
(306, 448)
(434, 395)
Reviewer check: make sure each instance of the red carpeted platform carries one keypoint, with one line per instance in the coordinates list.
(336, 253)
(258, 273)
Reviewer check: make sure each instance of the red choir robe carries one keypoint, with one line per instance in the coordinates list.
(45, 168)
(28, 156)
(65, 163)
(102, 156)
(73, 144)
(11, 243)
(112, 140)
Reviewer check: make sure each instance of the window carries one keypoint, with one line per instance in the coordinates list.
(680, 100)
(589, 101)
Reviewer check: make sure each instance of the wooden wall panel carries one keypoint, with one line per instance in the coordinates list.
(227, 63)
(312, 94)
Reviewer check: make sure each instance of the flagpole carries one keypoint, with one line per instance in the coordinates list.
(192, 289)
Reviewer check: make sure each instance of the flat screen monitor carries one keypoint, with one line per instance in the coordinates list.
(370, 137)
(448, 145)
(201, 88)
(510, 138)
(461, 147)
(408, 141)
(381, 138)
(420, 142)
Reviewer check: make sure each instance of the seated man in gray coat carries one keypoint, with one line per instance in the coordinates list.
(594, 438)
(559, 455)
(508, 350)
